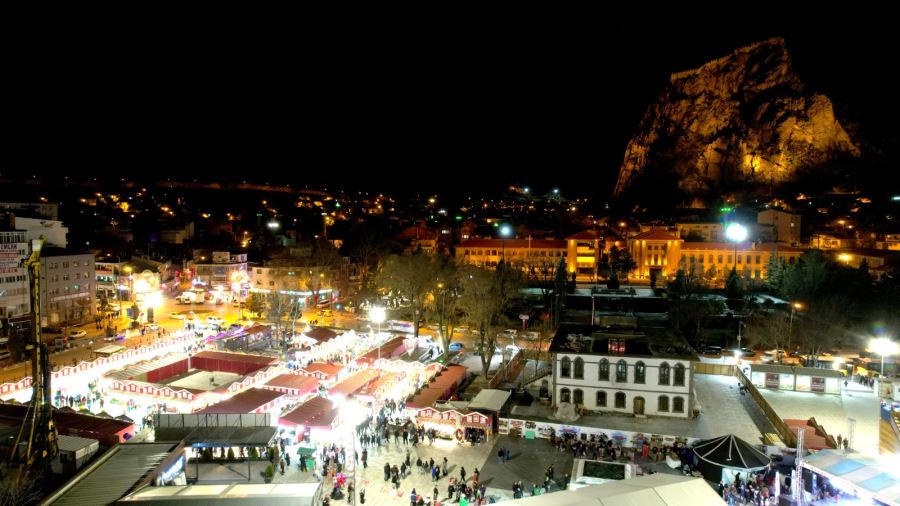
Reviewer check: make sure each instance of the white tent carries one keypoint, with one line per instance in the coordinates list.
(652, 490)
(867, 476)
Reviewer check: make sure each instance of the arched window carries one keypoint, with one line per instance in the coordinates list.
(604, 370)
(663, 403)
(620, 400)
(601, 399)
(578, 396)
(565, 367)
(640, 371)
(579, 368)
(678, 404)
(664, 373)
(621, 371)
(679, 375)
(565, 395)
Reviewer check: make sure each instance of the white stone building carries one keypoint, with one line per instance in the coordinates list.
(617, 371)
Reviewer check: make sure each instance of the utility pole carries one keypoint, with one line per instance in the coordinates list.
(798, 472)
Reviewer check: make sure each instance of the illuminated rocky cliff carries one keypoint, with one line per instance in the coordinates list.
(741, 120)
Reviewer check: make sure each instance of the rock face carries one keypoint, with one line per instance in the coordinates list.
(741, 119)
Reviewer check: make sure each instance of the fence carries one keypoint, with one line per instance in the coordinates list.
(508, 371)
(787, 435)
(715, 369)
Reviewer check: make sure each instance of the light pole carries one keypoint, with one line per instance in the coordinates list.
(740, 324)
(443, 291)
(736, 233)
(883, 346)
(795, 306)
(505, 231)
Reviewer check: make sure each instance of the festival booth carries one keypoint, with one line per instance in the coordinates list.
(722, 457)
(390, 350)
(867, 477)
(254, 400)
(453, 422)
(439, 387)
(315, 417)
(352, 385)
(293, 385)
(799, 379)
(328, 374)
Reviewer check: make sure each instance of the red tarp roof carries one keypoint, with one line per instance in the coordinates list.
(442, 387)
(316, 412)
(244, 402)
(813, 438)
(238, 357)
(321, 334)
(295, 381)
(387, 350)
(324, 368)
(354, 383)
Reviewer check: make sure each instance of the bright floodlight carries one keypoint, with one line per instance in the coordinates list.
(273, 224)
(736, 232)
(884, 346)
(505, 231)
(377, 314)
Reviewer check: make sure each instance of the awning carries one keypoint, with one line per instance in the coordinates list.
(490, 400)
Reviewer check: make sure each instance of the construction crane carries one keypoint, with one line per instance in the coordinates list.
(38, 433)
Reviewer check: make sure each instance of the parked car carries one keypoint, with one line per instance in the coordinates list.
(747, 352)
(76, 334)
(153, 327)
(215, 320)
(457, 346)
(712, 350)
(531, 335)
(509, 333)
(176, 315)
(325, 313)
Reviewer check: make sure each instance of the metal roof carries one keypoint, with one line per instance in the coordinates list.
(113, 476)
(489, 399)
(217, 437)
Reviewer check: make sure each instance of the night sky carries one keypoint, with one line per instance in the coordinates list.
(422, 103)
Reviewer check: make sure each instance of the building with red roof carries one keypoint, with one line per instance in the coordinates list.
(294, 385)
(325, 372)
(316, 413)
(354, 383)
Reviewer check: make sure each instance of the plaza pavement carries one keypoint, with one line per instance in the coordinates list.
(723, 410)
(833, 411)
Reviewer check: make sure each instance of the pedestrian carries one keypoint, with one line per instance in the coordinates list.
(412, 498)
(501, 453)
(362, 496)
(839, 440)
(281, 465)
(462, 474)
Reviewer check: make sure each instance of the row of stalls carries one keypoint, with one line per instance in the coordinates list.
(798, 379)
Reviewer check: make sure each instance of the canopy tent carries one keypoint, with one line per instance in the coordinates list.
(867, 477)
(490, 400)
(653, 490)
(722, 456)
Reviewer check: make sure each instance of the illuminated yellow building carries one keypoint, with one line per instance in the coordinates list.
(715, 259)
(655, 251)
(489, 252)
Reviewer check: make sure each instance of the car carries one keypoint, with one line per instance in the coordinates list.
(325, 313)
(747, 352)
(153, 327)
(215, 320)
(75, 334)
(509, 333)
(457, 346)
(712, 350)
(176, 315)
(531, 335)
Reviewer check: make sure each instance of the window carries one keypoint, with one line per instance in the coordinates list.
(578, 397)
(664, 373)
(663, 403)
(679, 375)
(565, 368)
(77, 275)
(579, 369)
(65, 265)
(620, 400)
(604, 370)
(621, 371)
(76, 264)
(729, 258)
(65, 277)
(720, 259)
(757, 259)
(678, 404)
(710, 259)
(639, 372)
(601, 399)
(564, 395)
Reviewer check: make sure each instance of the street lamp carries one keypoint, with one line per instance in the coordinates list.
(505, 231)
(883, 346)
(794, 307)
(443, 291)
(736, 233)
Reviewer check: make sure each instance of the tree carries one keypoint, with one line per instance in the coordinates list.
(257, 303)
(484, 299)
(617, 261)
(653, 276)
(559, 293)
(733, 288)
(446, 302)
(412, 278)
(768, 330)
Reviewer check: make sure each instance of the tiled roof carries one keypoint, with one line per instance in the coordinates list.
(514, 243)
(656, 234)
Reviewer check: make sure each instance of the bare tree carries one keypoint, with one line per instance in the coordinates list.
(485, 297)
(413, 278)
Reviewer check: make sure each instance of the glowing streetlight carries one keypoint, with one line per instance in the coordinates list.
(736, 233)
(505, 231)
(883, 346)
(796, 306)
(377, 314)
(274, 225)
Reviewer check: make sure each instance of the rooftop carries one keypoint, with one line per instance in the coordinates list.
(244, 402)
